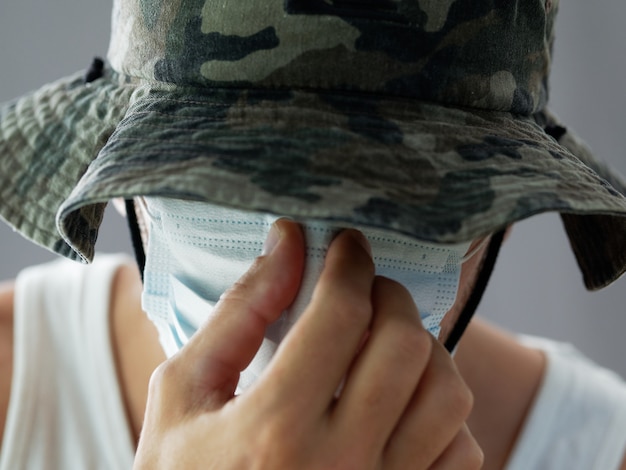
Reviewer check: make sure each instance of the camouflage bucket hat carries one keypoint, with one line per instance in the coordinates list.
(425, 117)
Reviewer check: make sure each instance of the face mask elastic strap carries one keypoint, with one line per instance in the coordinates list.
(477, 293)
(475, 250)
(135, 235)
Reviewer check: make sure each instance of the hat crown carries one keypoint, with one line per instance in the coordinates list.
(486, 54)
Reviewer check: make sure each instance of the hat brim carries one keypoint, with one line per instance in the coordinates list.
(47, 140)
(440, 174)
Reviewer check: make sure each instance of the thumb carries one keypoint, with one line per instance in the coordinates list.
(227, 342)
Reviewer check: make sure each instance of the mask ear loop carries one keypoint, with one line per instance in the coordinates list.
(135, 235)
(477, 293)
(475, 250)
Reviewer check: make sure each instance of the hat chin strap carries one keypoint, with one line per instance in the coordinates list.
(484, 275)
(135, 235)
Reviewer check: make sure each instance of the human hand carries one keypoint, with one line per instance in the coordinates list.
(402, 402)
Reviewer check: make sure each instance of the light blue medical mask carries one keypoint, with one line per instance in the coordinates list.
(197, 250)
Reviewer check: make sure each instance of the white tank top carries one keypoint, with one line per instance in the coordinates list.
(578, 419)
(65, 411)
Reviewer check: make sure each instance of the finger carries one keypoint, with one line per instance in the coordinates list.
(226, 343)
(463, 453)
(317, 352)
(436, 413)
(384, 378)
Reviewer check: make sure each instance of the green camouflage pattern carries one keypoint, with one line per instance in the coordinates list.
(422, 117)
(482, 54)
(47, 141)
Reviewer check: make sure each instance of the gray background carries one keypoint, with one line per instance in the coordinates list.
(536, 287)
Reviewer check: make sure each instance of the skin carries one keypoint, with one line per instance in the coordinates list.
(402, 398)
(513, 401)
(502, 396)
(467, 280)
(6, 348)
(136, 347)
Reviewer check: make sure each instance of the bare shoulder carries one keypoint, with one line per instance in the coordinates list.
(126, 289)
(7, 289)
(7, 294)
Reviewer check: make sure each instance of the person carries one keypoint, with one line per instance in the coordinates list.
(424, 126)
(41, 285)
(101, 304)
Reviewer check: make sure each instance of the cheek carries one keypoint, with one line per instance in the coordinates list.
(467, 281)
(449, 320)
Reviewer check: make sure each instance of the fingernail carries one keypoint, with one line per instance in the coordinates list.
(362, 240)
(272, 240)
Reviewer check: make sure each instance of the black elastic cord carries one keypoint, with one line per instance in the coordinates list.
(555, 131)
(135, 235)
(95, 70)
(477, 293)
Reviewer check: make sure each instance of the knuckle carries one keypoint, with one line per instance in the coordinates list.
(240, 297)
(163, 377)
(457, 396)
(248, 282)
(237, 291)
(255, 289)
(157, 378)
(473, 456)
(412, 343)
(277, 444)
(461, 401)
(352, 311)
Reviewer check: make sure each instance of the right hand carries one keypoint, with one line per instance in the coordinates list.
(402, 403)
